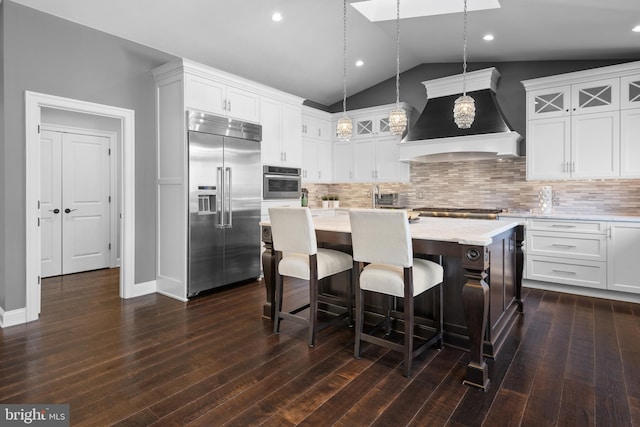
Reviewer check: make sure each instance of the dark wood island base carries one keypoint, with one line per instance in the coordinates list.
(482, 291)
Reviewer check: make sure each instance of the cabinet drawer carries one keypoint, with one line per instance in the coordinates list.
(567, 245)
(591, 274)
(596, 227)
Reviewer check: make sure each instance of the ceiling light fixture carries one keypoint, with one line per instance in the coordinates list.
(464, 108)
(636, 29)
(345, 125)
(277, 17)
(397, 116)
(359, 63)
(488, 37)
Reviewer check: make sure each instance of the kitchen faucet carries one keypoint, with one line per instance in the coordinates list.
(375, 191)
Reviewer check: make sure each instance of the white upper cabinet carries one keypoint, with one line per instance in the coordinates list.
(317, 151)
(343, 162)
(316, 127)
(575, 128)
(281, 140)
(210, 96)
(630, 143)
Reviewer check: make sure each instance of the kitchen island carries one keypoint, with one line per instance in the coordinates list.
(482, 261)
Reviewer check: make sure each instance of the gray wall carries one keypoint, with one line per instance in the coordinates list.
(46, 54)
(510, 92)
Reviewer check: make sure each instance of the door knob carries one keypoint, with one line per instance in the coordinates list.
(69, 210)
(55, 211)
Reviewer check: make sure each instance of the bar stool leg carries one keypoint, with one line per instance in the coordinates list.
(278, 303)
(350, 286)
(313, 309)
(359, 321)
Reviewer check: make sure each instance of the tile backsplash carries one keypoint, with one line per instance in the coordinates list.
(491, 184)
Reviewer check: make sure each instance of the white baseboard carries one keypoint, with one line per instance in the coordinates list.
(13, 317)
(579, 290)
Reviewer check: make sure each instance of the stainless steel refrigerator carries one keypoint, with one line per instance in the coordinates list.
(224, 201)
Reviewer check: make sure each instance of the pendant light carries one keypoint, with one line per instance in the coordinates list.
(464, 108)
(397, 116)
(345, 125)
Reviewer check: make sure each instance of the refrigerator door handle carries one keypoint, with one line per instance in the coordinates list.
(219, 199)
(228, 197)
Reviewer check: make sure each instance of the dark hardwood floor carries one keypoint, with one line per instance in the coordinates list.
(569, 361)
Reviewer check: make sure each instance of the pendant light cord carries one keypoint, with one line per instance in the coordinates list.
(464, 52)
(398, 53)
(344, 58)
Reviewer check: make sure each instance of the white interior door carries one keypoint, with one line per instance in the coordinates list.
(85, 200)
(74, 203)
(51, 203)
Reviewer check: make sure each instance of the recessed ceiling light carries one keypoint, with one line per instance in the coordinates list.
(636, 29)
(359, 63)
(277, 17)
(488, 37)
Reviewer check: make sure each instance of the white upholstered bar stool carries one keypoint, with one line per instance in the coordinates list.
(298, 255)
(383, 250)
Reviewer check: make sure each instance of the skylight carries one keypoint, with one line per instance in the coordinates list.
(385, 10)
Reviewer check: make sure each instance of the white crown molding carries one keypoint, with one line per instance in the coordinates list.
(610, 71)
(451, 85)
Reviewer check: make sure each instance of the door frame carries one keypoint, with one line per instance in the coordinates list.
(114, 261)
(33, 103)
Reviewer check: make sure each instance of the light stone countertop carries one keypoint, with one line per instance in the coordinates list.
(463, 231)
(572, 216)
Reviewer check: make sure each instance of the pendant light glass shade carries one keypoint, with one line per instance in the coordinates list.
(464, 108)
(344, 129)
(464, 111)
(397, 116)
(398, 121)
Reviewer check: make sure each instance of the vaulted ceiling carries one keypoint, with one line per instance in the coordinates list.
(303, 53)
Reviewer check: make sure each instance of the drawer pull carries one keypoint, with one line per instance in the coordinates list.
(563, 271)
(563, 226)
(558, 245)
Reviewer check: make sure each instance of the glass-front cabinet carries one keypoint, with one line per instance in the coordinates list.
(630, 89)
(549, 103)
(374, 125)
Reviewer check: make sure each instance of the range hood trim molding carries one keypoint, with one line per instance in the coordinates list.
(480, 146)
(475, 80)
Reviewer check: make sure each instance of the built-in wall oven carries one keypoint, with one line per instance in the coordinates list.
(281, 182)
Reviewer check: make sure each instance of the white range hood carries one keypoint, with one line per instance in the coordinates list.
(436, 138)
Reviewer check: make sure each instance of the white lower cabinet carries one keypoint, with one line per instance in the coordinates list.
(623, 260)
(591, 254)
(567, 252)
